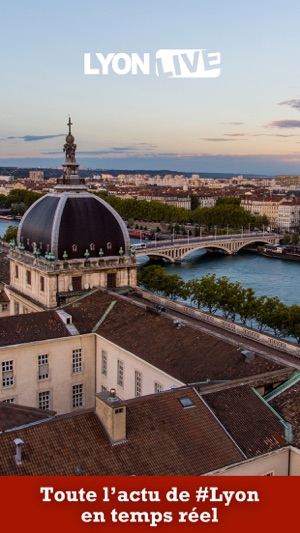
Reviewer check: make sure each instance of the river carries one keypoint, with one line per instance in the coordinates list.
(272, 277)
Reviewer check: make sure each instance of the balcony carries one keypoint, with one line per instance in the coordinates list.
(53, 265)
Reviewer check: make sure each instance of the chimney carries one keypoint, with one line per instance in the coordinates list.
(248, 355)
(18, 456)
(111, 412)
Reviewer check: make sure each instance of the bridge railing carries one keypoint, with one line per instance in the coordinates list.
(179, 241)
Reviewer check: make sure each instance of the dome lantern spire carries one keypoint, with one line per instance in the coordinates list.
(70, 177)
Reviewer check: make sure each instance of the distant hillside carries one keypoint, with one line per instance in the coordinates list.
(85, 172)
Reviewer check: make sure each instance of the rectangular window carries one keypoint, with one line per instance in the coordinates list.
(42, 284)
(77, 361)
(7, 373)
(44, 400)
(28, 277)
(17, 271)
(43, 366)
(104, 363)
(120, 376)
(77, 395)
(138, 384)
(76, 283)
(4, 307)
(157, 387)
(17, 309)
(9, 400)
(111, 280)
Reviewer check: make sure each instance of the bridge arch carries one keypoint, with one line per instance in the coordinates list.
(174, 252)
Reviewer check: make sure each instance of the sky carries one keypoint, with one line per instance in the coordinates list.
(240, 116)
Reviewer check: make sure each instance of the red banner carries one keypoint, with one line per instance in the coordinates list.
(81, 504)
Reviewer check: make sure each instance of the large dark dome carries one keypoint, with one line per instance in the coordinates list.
(73, 221)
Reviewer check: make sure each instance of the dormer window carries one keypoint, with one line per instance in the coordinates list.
(109, 245)
(92, 246)
(74, 247)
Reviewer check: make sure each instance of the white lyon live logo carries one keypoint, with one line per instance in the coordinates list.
(173, 63)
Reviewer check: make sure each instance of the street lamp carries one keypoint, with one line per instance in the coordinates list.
(155, 234)
(188, 232)
(242, 229)
(215, 232)
(227, 229)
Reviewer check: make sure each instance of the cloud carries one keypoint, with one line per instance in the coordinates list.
(294, 103)
(234, 134)
(31, 138)
(132, 149)
(220, 139)
(285, 135)
(233, 123)
(283, 124)
(150, 145)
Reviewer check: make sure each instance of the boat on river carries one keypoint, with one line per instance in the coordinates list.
(7, 217)
(281, 251)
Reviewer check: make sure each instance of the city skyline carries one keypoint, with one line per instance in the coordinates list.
(246, 120)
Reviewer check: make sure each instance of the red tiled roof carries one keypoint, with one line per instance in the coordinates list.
(12, 416)
(3, 296)
(248, 419)
(187, 354)
(20, 329)
(163, 438)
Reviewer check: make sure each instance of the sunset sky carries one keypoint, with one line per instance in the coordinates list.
(246, 120)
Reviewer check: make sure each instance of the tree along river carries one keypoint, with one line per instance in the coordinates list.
(272, 277)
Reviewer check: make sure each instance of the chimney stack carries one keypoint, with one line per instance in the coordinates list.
(18, 456)
(111, 412)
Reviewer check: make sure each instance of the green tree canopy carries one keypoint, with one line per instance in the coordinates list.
(11, 233)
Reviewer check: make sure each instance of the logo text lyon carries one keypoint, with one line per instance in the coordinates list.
(169, 63)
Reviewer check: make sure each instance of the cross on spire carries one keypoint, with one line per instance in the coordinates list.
(70, 124)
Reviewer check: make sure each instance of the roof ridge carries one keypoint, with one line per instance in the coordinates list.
(284, 386)
(103, 317)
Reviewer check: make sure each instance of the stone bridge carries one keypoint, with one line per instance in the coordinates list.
(175, 251)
